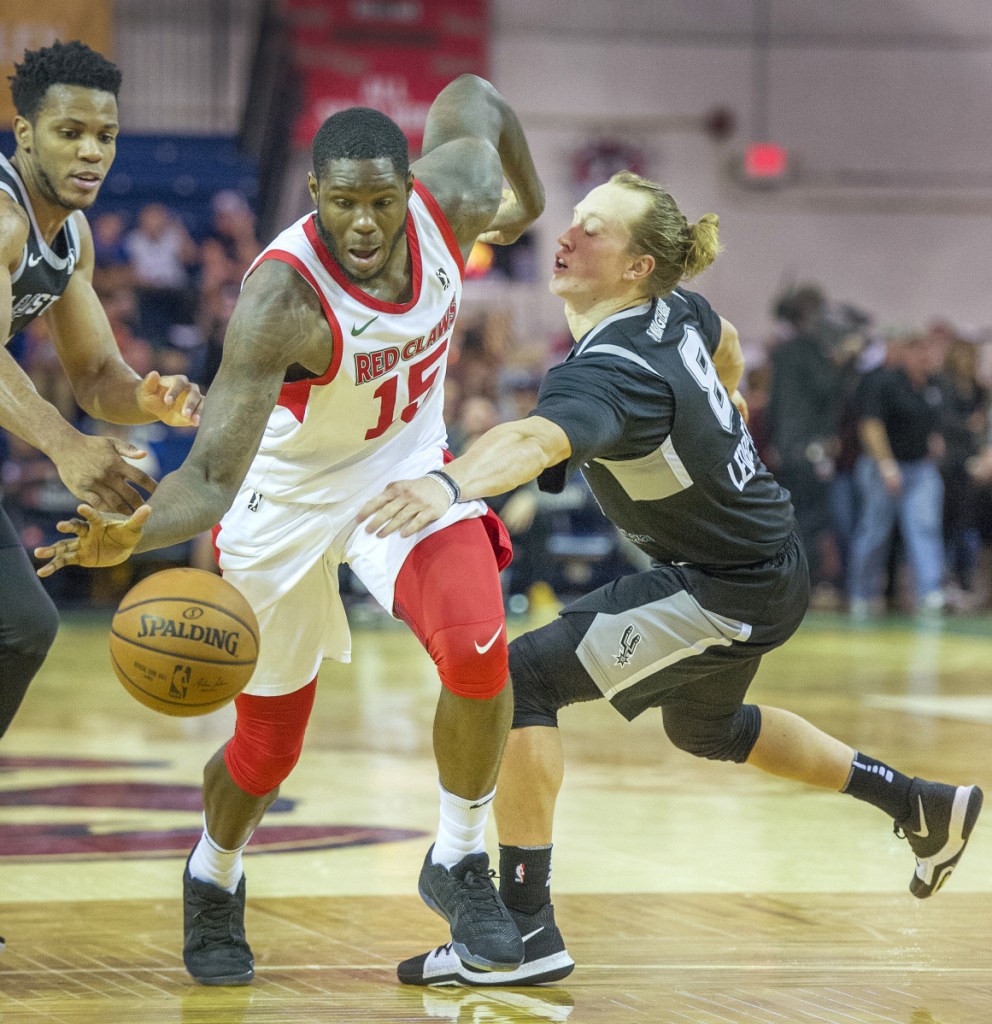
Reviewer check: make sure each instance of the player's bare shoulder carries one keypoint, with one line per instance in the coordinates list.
(466, 178)
(279, 318)
(14, 228)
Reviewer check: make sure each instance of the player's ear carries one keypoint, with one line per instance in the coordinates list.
(409, 184)
(313, 186)
(23, 133)
(640, 268)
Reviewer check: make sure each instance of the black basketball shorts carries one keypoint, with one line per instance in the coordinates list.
(673, 633)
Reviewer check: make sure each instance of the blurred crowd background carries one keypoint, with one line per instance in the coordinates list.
(869, 392)
(816, 388)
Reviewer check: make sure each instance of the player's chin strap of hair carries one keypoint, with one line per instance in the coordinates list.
(453, 490)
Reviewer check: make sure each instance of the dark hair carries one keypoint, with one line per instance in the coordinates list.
(360, 133)
(60, 64)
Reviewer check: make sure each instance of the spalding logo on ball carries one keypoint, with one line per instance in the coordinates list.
(184, 642)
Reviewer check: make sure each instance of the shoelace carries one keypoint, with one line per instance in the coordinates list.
(481, 892)
(217, 922)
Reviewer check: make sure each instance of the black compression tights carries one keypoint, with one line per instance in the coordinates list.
(28, 623)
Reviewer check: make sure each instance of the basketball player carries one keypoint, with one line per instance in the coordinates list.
(65, 132)
(646, 406)
(331, 383)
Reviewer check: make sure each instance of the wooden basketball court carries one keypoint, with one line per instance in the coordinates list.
(688, 892)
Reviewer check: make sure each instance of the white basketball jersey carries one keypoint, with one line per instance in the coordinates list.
(381, 399)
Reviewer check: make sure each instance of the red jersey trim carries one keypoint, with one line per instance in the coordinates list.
(330, 264)
(294, 395)
(443, 224)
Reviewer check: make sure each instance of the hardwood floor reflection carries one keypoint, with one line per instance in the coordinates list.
(688, 892)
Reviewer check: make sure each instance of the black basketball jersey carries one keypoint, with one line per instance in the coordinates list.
(663, 448)
(44, 271)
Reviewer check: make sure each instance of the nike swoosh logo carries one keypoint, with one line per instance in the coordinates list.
(33, 261)
(356, 330)
(530, 935)
(492, 640)
(923, 831)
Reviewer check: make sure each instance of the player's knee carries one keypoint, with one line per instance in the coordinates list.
(268, 739)
(30, 627)
(534, 702)
(726, 738)
(472, 659)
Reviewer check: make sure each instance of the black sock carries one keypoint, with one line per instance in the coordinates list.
(879, 785)
(525, 877)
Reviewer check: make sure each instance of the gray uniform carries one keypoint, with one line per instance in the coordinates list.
(673, 466)
(44, 271)
(28, 619)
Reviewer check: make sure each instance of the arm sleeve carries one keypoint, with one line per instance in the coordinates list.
(601, 406)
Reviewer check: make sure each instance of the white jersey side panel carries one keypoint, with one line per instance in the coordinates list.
(381, 400)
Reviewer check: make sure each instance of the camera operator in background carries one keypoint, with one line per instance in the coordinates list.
(812, 371)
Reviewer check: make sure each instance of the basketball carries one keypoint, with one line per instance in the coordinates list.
(184, 642)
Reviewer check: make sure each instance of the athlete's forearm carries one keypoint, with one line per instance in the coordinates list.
(110, 393)
(505, 457)
(518, 164)
(184, 505)
(26, 414)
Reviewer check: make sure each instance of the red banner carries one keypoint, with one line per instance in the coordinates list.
(393, 55)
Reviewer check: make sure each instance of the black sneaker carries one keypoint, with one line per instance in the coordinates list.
(545, 959)
(482, 932)
(215, 950)
(938, 827)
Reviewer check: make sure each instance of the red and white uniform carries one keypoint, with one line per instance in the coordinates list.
(334, 441)
(381, 399)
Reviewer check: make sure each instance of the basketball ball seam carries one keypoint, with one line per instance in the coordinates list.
(190, 600)
(181, 657)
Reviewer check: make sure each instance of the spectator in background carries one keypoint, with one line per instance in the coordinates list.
(964, 426)
(897, 477)
(476, 415)
(121, 307)
(214, 326)
(112, 266)
(234, 231)
(161, 251)
(808, 374)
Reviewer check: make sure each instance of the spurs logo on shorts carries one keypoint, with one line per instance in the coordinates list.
(628, 642)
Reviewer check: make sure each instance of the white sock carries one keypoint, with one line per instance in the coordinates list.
(462, 829)
(211, 863)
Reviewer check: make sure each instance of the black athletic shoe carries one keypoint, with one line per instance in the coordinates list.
(215, 950)
(938, 827)
(545, 959)
(482, 932)
(2, 943)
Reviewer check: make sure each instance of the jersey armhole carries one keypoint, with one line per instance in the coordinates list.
(443, 224)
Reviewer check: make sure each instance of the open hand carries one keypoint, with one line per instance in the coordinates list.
(100, 538)
(172, 399)
(407, 506)
(95, 471)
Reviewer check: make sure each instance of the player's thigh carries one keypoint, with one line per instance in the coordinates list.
(298, 630)
(448, 592)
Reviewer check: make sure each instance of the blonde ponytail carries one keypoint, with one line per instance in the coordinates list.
(703, 245)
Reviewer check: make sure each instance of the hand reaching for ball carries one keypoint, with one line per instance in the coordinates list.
(101, 538)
